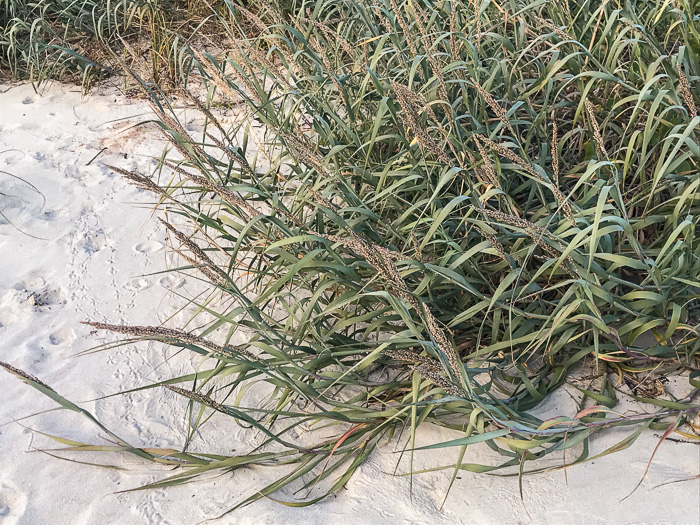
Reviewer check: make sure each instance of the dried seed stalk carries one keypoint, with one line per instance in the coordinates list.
(555, 151)
(378, 257)
(510, 155)
(494, 242)
(416, 247)
(253, 18)
(454, 53)
(222, 83)
(316, 46)
(230, 197)
(142, 182)
(208, 267)
(412, 120)
(404, 27)
(168, 335)
(554, 29)
(488, 167)
(599, 143)
(535, 232)
(24, 376)
(477, 16)
(428, 44)
(428, 368)
(437, 379)
(495, 106)
(684, 88)
(329, 34)
(517, 222)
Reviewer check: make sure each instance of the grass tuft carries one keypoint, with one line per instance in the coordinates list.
(451, 209)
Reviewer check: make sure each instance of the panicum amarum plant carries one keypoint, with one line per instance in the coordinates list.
(41, 40)
(451, 206)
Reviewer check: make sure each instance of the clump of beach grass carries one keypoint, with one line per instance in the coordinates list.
(84, 41)
(471, 200)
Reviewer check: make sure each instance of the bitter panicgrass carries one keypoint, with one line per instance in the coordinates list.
(430, 224)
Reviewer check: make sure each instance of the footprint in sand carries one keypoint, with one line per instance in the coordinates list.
(136, 285)
(7, 319)
(11, 306)
(35, 291)
(20, 202)
(31, 284)
(149, 247)
(93, 242)
(172, 282)
(12, 504)
(46, 297)
(62, 337)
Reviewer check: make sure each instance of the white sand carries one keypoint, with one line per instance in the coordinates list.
(94, 241)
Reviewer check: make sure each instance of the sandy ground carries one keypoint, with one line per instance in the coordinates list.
(77, 243)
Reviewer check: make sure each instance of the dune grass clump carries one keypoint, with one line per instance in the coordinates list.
(56, 39)
(451, 208)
